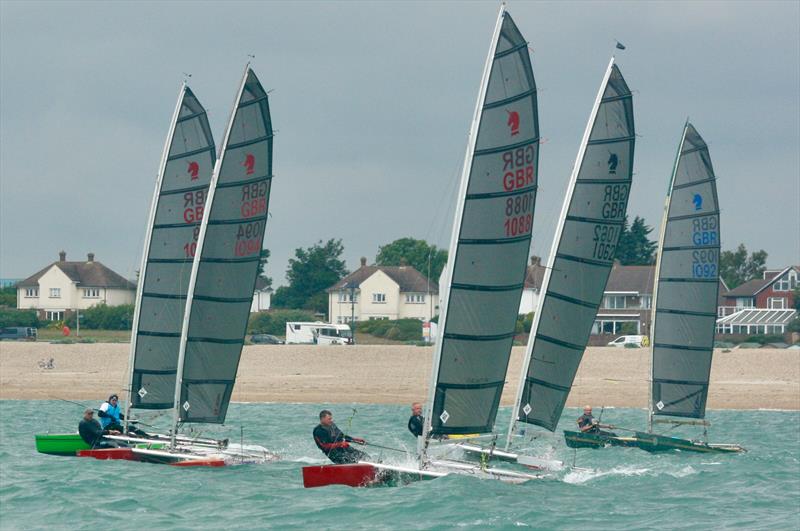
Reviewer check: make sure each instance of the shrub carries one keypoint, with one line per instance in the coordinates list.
(12, 317)
(763, 339)
(104, 317)
(527, 323)
(399, 330)
(8, 296)
(274, 321)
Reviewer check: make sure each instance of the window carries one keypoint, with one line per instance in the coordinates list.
(345, 296)
(776, 303)
(782, 284)
(614, 301)
(91, 293)
(31, 292)
(744, 302)
(378, 318)
(415, 298)
(379, 298)
(55, 293)
(54, 315)
(646, 302)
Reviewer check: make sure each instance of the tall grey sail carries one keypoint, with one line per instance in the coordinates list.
(229, 249)
(490, 242)
(687, 285)
(581, 257)
(173, 229)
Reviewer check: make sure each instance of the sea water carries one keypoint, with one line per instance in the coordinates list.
(622, 488)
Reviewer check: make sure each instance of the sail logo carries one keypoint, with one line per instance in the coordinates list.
(698, 201)
(613, 161)
(513, 122)
(249, 163)
(193, 170)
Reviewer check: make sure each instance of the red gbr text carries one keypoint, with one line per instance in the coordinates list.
(193, 203)
(254, 199)
(518, 168)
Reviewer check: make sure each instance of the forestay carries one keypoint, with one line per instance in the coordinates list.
(229, 247)
(581, 257)
(491, 241)
(685, 300)
(173, 229)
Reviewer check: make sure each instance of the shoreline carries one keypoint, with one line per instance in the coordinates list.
(747, 379)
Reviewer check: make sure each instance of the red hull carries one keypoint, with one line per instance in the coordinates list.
(353, 475)
(204, 462)
(109, 453)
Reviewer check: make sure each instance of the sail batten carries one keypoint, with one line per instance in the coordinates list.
(178, 203)
(581, 257)
(490, 242)
(687, 285)
(228, 252)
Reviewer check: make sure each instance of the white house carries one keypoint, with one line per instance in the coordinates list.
(63, 287)
(262, 296)
(382, 292)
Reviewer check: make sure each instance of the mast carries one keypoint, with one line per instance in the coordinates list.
(653, 303)
(196, 263)
(554, 250)
(145, 252)
(459, 214)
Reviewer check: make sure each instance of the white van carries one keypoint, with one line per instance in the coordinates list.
(318, 333)
(621, 341)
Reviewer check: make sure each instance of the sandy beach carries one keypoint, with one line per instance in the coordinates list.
(391, 374)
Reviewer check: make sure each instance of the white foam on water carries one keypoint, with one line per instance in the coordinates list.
(683, 472)
(582, 476)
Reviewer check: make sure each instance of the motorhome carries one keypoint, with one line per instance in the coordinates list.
(318, 333)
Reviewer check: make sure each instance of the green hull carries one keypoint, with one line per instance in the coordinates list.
(649, 442)
(60, 444)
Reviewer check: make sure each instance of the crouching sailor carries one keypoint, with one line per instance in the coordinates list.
(92, 433)
(335, 444)
(588, 424)
(110, 414)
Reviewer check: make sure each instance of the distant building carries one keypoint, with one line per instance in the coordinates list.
(760, 306)
(262, 296)
(534, 277)
(63, 287)
(627, 301)
(382, 292)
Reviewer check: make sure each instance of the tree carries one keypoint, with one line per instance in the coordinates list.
(634, 246)
(310, 273)
(414, 253)
(262, 266)
(8, 296)
(736, 268)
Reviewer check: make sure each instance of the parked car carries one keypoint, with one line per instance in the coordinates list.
(265, 339)
(26, 333)
(621, 341)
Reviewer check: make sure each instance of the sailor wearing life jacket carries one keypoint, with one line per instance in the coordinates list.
(110, 414)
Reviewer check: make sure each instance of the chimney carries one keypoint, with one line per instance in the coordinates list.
(403, 261)
(536, 260)
(363, 261)
(90, 257)
(62, 256)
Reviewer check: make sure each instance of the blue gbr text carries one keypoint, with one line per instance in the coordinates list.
(704, 263)
(705, 231)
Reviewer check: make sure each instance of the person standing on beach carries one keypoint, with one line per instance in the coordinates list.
(416, 421)
(335, 444)
(92, 433)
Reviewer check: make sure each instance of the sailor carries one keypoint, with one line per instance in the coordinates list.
(588, 424)
(110, 414)
(335, 444)
(416, 420)
(92, 433)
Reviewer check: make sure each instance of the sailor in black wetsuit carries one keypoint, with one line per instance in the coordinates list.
(416, 421)
(334, 443)
(588, 424)
(92, 433)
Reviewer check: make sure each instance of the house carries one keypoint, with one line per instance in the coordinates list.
(382, 292)
(262, 296)
(64, 286)
(627, 301)
(534, 277)
(761, 306)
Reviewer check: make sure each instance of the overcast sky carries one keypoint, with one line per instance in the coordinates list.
(372, 104)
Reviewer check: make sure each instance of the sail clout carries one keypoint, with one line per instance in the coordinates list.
(170, 244)
(229, 248)
(685, 299)
(581, 257)
(491, 241)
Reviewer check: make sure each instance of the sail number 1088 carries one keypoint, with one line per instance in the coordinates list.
(519, 215)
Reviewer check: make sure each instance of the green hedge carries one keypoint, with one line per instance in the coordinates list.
(104, 317)
(399, 330)
(12, 317)
(274, 321)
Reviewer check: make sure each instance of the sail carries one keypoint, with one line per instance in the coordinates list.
(229, 247)
(173, 229)
(490, 244)
(581, 257)
(685, 298)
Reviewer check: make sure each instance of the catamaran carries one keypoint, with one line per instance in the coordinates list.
(684, 308)
(581, 258)
(199, 267)
(484, 279)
